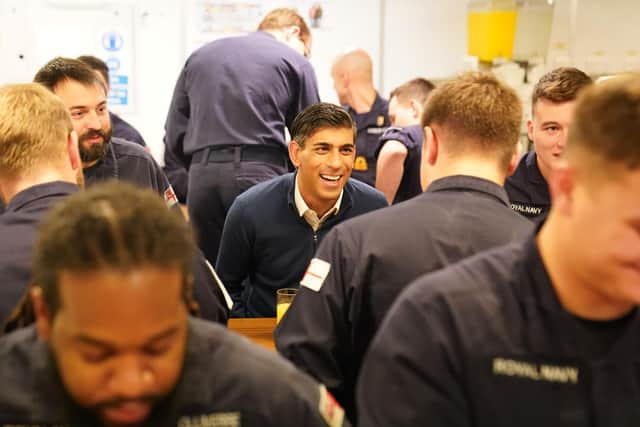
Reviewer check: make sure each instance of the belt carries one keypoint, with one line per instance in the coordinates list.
(246, 153)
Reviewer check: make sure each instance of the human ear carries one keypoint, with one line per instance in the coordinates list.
(41, 312)
(294, 153)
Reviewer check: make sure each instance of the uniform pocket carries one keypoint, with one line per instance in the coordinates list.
(248, 174)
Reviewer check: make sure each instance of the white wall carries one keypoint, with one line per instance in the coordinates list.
(346, 25)
(423, 38)
(42, 29)
(159, 38)
(16, 41)
(416, 38)
(606, 36)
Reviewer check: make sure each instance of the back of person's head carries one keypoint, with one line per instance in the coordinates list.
(478, 114)
(560, 85)
(356, 64)
(282, 18)
(96, 64)
(417, 89)
(61, 69)
(604, 134)
(112, 226)
(406, 102)
(319, 116)
(34, 129)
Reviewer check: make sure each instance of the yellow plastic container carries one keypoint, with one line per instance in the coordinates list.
(490, 34)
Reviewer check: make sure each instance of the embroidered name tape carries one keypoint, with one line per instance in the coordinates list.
(375, 131)
(217, 419)
(315, 274)
(536, 371)
(526, 209)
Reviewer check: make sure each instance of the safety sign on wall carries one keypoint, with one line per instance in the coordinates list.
(117, 54)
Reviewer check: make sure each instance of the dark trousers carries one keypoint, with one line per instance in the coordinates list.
(213, 186)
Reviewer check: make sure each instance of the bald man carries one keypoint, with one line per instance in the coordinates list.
(353, 81)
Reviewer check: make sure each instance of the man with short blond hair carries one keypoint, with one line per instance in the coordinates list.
(552, 105)
(40, 166)
(26, 147)
(39, 161)
(539, 332)
(231, 104)
(281, 18)
(364, 263)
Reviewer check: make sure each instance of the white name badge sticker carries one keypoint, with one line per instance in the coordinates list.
(315, 274)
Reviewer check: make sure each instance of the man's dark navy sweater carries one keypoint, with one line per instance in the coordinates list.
(266, 245)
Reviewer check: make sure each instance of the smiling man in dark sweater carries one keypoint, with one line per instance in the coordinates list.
(272, 230)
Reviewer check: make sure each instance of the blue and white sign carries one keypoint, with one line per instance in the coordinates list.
(112, 41)
(113, 63)
(117, 52)
(117, 80)
(119, 96)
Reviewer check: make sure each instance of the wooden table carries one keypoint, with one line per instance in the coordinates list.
(259, 330)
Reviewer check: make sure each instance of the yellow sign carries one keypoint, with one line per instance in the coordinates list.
(380, 121)
(361, 164)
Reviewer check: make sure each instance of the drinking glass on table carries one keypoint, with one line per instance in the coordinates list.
(284, 298)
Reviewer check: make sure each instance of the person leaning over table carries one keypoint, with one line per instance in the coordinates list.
(226, 122)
